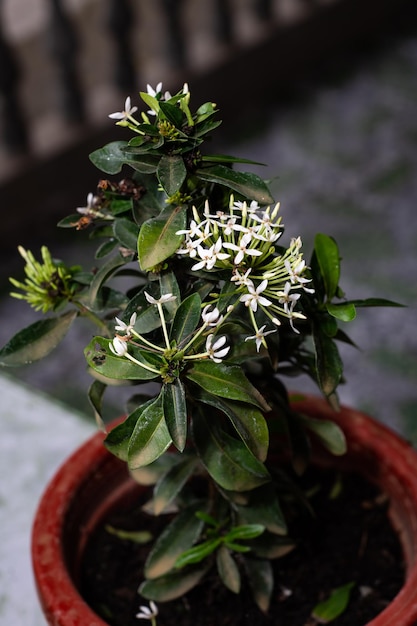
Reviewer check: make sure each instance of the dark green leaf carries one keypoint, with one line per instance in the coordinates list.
(327, 611)
(370, 302)
(158, 239)
(168, 487)
(226, 381)
(228, 570)
(169, 284)
(269, 546)
(36, 341)
(224, 158)
(328, 362)
(328, 259)
(150, 437)
(126, 232)
(249, 423)
(261, 581)
(171, 173)
(175, 411)
(245, 531)
(106, 248)
(329, 433)
(103, 274)
(177, 537)
(117, 440)
(186, 319)
(263, 508)
(95, 396)
(172, 113)
(144, 163)
(110, 158)
(173, 585)
(249, 185)
(226, 459)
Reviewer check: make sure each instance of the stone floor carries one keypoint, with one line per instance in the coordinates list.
(343, 160)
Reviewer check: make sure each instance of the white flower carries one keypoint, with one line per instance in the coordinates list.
(148, 612)
(167, 297)
(189, 248)
(127, 328)
(213, 349)
(294, 274)
(89, 209)
(242, 279)
(118, 346)
(211, 317)
(242, 248)
(260, 335)
(127, 113)
(243, 206)
(210, 255)
(253, 298)
(289, 300)
(154, 92)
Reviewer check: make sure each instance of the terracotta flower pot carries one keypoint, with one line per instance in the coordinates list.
(92, 480)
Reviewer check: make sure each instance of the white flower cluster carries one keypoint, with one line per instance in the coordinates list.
(242, 240)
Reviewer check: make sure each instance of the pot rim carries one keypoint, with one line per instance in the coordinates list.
(56, 589)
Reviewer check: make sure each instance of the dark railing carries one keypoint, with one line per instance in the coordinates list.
(253, 50)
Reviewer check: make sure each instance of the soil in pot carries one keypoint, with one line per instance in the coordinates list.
(349, 540)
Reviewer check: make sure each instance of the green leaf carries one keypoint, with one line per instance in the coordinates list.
(126, 232)
(168, 487)
(186, 319)
(228, 570)
(173, 585)
(249, 185)
(227, 460)
(344, 311)
(36, 341)
(263, 508)
(169, 284)
(226, 381)
(261, 581)
(152, 473)
(95, 397)
(172, 113)
(198, 553)
(104, 273)
(249, 423)
(110, 158)
(150, 101)
(328, 259)
(147, 316)
(329, 433)
(175, 411)
(150, 437)
(245, 531)
(135, 536)
(225, 158)
(371, 302)
(328, 362)
(177, 537)
(104, 362)
(117, 440)
(158, 239)
(145, 163)
(328, 610)
(171, 173)
(270, 546)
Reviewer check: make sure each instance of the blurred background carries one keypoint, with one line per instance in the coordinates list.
(326, 92)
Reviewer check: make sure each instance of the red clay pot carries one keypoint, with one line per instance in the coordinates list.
(91, 481)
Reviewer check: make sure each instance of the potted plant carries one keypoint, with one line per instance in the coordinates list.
(219, 305)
